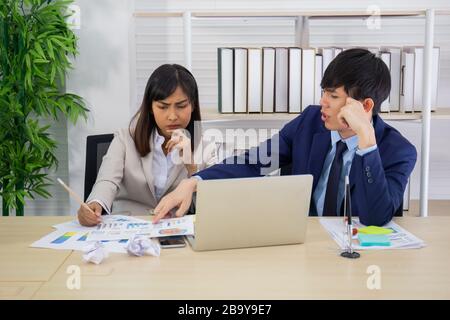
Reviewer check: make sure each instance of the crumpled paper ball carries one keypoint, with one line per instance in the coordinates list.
(95, 252)
(140, 245)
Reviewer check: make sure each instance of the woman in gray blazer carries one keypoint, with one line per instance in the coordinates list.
(149, 158)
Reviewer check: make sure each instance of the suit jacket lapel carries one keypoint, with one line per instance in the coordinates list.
(319, 149)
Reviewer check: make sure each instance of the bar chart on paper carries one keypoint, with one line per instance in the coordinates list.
(66, 236)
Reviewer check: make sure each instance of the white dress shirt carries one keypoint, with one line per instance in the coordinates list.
(162, 165)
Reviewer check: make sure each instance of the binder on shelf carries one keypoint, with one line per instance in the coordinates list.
(308, 69)
(395, 70)
(418, 77)
(295, 79)
(254, 80)
(337, 51)
(418, 53)
(407, 82)
(281, 80)
(374, 50)
(328, 55)
(318, 79)
(435, 78)
(225, 79)
(386, 58)
(268, 56)
(240, 80)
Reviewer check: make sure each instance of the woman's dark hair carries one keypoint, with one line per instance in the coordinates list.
(362, 74)
(161, 84)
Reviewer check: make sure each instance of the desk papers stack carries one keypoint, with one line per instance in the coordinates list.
(399, 238)
(114, 232)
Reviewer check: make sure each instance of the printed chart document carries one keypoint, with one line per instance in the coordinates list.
(114, 232)
(400, 238)
(61, 239)
(125, 230)
(73, 236)
(74, 225)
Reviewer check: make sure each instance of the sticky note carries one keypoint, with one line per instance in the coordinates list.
(374, 230)
(368, 240)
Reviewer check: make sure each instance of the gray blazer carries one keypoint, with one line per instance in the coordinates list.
(125, 178)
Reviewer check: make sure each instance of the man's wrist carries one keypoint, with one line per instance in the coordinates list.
(366, 138)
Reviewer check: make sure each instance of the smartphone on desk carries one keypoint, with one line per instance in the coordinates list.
(172, 242)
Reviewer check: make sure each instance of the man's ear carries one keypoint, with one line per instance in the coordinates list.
(368, 104)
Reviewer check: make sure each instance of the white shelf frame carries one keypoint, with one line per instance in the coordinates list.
(302, 39)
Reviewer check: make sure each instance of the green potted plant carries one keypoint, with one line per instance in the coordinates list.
(35, 45)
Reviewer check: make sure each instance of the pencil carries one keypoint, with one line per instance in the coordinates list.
(75, 196)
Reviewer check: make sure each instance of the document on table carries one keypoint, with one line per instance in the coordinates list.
(73, 236)
(114, 231)
(124, 230)
(75, 240)
(399, 238)
(75, 225)
(63, 239)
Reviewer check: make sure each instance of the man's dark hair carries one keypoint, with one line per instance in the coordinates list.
(362, 74)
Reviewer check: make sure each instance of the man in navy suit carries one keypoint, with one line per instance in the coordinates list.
(343, 136)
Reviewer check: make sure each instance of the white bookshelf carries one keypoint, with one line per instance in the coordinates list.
(294, 14)
(302, 39)
(209, 114)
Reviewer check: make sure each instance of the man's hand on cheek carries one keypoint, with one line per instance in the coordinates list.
(353, 116)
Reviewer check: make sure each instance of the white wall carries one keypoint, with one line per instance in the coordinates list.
(105, 69)
(101, 75)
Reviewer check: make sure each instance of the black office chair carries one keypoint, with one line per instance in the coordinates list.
(96, 148)
(286, 170)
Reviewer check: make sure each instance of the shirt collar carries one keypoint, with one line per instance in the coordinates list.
(158, 139)
(351, 142)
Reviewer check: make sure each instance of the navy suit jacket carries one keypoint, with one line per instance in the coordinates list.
(377, 179)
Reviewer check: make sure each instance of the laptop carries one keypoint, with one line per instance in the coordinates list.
(251, 212)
